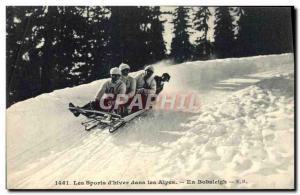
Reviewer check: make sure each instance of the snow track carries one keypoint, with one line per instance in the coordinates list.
(45, 143)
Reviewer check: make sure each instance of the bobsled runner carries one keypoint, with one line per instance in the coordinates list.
(102, 119)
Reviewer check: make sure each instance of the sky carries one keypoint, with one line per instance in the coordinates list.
(168, 33)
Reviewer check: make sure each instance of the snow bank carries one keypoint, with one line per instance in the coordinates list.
(249, 135)
(202, 75)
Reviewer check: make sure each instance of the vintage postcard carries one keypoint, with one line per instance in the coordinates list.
(150, 97)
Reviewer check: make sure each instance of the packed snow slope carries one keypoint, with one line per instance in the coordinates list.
(241, 137)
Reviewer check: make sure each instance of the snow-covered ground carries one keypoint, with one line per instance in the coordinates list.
(244, 130)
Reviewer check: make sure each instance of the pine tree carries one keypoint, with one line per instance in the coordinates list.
(156, 44)
(48, 52)
(136, 36)
(127, 39)
(53, 47)
(248, 31)
(116, 46)
(264, 30)
(44, 51)
(14, 23)
(100, 51)
(68, 46)
(22, 71)
(281, 25)
(90, 59)
(181, 47)
(223, 35)
(201, 24)
(74, 36)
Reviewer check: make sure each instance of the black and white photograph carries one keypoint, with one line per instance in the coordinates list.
(150, 97)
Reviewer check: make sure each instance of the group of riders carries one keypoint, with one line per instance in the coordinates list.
(123, 94)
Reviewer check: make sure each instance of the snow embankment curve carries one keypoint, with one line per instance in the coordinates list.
(237, 133)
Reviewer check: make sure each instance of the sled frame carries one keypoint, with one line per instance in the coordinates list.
(98, 118)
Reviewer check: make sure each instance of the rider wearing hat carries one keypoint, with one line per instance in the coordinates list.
(145, 82)
(114, 86)
(105, 99)
(128, 80)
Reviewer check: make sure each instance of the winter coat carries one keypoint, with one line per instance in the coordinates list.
(146, 87)
(130, 85)
(111, 88)
(159, 84)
